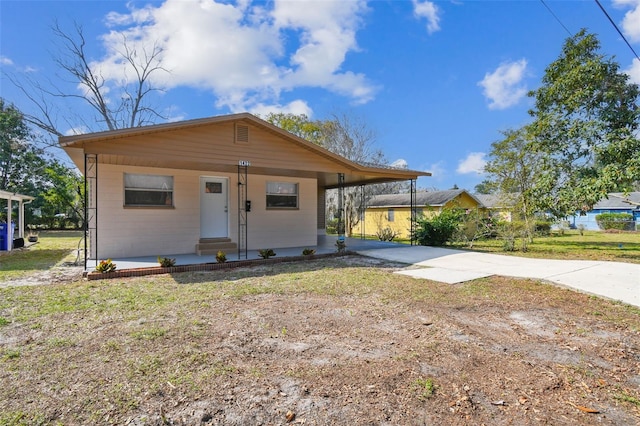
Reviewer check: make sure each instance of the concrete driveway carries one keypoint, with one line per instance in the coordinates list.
(613, 280)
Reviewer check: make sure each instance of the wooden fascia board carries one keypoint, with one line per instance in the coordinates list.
(86, 142)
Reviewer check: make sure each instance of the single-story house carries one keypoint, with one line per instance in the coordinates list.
(233, 181)
(616, 202)
(498, 206)
(393, 211)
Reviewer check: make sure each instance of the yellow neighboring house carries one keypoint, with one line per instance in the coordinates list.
(498, 206)
(393, 211)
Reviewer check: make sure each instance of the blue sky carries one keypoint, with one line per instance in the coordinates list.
(436, 81)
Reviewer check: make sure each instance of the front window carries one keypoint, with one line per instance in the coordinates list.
(282, 195)
(148, 190)
(390, 215)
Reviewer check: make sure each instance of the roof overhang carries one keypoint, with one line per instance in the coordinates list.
(354, 174)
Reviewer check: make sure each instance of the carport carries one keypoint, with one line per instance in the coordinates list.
(7, 231)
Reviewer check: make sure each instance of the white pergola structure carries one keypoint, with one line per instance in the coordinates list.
(22, 200)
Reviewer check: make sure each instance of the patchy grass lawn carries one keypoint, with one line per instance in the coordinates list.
(52, 248)
(341, 341)
(593, 245)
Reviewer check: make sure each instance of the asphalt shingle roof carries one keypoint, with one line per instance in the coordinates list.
(433, 198)
(618, 200)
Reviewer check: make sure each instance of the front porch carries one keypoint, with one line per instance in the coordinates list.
(326, 244)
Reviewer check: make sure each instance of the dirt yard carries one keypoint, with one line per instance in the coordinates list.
(330, 342)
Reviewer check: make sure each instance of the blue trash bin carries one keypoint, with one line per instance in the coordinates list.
(5, 239)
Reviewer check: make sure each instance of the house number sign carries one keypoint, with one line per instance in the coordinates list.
(244, 163)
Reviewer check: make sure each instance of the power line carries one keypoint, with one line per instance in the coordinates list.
(557, 19)
(617, 29)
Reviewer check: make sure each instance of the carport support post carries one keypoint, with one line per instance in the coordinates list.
(414, 210)
(362, 212)
(340, 206)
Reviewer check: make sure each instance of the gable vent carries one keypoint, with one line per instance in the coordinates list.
(242, 133)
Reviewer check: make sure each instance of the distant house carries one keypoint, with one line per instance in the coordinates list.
(393, 211)
(497, 206)
(233, 181)
(616, 202)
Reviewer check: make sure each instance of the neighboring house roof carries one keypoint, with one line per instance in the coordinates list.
(495, 201)
(619, 201)
(185, 145)
(429, 198)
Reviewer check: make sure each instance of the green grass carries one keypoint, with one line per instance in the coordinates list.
(426, 387)
(593, 245)
(53, 247)
(625, 397)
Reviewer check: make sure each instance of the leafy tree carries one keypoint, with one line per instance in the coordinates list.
(485, 187)
(513, 169)
(586, 119)
(26, 168)
(21, 162)
(300, 125)
(64, 195)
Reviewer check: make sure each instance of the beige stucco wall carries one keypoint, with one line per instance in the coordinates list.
(131, 232)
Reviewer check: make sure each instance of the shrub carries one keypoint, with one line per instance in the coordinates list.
(515, 235)
(581, 229)
(106, 266)
(619, 221)
(308, 252)
(221, 257)
(542, 228)
(332, 226)
(266, 253)
(165, 262)
(439, 230)
(386, 234)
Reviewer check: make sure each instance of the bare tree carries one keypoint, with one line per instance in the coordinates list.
(128, 106)
(352, 138)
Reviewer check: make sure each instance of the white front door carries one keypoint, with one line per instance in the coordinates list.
(214, 208)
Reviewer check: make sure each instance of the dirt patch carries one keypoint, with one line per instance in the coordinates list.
(399, 351)
(54, 275)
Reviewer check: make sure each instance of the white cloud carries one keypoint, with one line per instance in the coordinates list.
(473, 163)
(81, 130)
(631, 20)
(634, 71)
(437, 170)
(246, 54)
(429, 11)
(400, 163)
(503, 87)
(5, 61)
(296, 107)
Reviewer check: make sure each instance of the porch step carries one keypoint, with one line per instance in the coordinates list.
(207, 246)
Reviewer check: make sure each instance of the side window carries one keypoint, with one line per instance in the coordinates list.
(390, 215)
(282, 195)
(148, 190)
